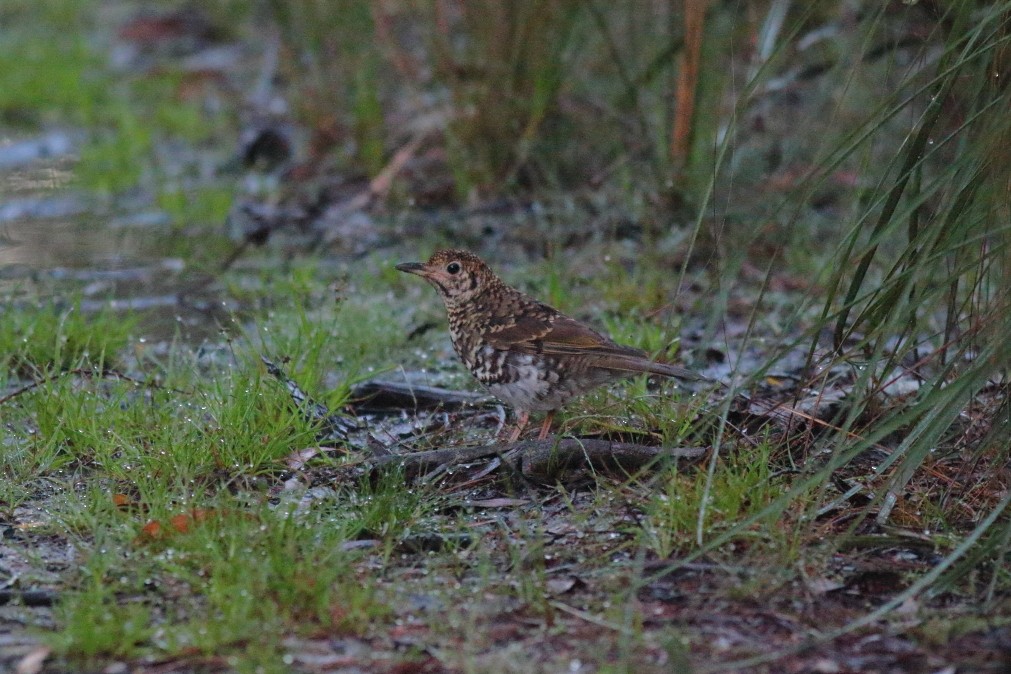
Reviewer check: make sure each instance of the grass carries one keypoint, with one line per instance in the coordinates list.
(66, 82)
(331, 51)
(42, 340)
(158, 455)
(742, 485)
(259, 572)
(199, 460)
(47, 79)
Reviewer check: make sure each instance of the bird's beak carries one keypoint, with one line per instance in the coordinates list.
(412, 268)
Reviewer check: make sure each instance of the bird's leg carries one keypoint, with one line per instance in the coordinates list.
(521, 422)
(546, 426)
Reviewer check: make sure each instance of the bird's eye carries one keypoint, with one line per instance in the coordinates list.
(453, 267)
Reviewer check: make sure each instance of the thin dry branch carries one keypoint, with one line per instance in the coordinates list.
(80, 372)
(547, 460)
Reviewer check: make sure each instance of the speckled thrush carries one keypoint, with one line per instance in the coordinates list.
(530, 356)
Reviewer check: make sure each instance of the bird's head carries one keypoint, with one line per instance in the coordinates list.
(459, 276)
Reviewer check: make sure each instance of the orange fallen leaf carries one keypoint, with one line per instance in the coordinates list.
(151, 530)
(181, 523)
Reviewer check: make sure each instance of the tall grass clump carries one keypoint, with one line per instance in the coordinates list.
(909, 327)
(503, 65)
(331, 51)
(920, 281)
(515, 96)
(43, 340)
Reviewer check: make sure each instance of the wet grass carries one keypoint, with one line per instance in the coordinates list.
(233, 581)
(170, 490)
(44, 80)
(167, 486)
(41, 340)
(160, 485)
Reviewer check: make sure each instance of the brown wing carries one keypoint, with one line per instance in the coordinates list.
(546, 331)
(552, 333)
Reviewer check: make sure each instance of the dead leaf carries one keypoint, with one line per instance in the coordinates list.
(557, 586)
(33, 661)
(826, 666)
(497, 502)
(122, 501)
(181, 523)
(296, 460)
(151, 531)
(823, 585)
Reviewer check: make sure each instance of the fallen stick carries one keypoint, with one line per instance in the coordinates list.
(546, 460)
(378, 395)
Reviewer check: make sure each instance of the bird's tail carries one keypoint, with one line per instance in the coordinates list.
(636, 364)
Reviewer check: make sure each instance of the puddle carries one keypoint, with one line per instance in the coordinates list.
(63, 247)
(15, 153)
(59, 242)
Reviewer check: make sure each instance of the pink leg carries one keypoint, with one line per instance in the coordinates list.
(521, 422)
(546, 426)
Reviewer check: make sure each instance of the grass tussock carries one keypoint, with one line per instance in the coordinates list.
(40, 341)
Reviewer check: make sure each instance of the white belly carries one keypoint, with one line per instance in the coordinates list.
(538, 389)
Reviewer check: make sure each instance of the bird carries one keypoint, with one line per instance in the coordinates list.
(527, 354)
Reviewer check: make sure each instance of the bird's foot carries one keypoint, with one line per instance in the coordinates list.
(522, 418)
(546, 426)
(521, 423)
